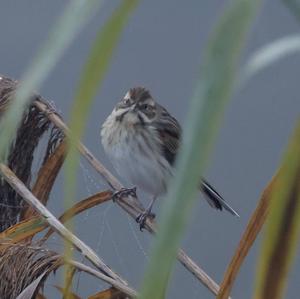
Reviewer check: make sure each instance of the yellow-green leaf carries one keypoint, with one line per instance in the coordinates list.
(283, 227)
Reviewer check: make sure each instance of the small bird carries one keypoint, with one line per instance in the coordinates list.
(142, 139)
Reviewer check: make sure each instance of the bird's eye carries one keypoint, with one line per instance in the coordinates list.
(145, 106)
(126, 101)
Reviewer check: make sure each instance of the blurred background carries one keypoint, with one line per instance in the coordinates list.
(161, 49)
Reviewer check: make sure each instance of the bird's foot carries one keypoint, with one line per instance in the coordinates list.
(141, 218)
(124, 192)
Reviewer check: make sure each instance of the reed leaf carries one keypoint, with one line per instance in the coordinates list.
(80, 207)
(32, 288)
(252, 230)
(65, 29)
(269, 54)
(46, 178)
(283, 227)
(110, 293)
(21, 231)
(28, 228)
(92, 75)
(212, 94)
(69, 295)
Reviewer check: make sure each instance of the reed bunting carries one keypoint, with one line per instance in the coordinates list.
(142, 140)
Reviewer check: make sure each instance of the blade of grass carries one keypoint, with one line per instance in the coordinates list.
(32, 288)
(253, 228)
(110, 293)
(268, 55)
(91, 78)
(68, 295)
(283, 227)
(212, 93)
(21, 231)
(80, 207)
(46, 178)
(65, 29)
(30, 227)
(92, 75)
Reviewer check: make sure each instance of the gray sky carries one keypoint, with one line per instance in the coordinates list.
(161, 48)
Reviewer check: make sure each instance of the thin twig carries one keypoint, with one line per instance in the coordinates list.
(54, 223)
(123, 288)
(129, 203)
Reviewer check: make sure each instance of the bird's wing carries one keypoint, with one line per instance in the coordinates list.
(170, 135)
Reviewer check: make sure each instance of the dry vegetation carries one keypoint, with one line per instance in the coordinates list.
(25, 186)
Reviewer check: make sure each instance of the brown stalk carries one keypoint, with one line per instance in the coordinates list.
(81, 206)
(46, 178)
(128, 203)
(68, 294)
(86, 251)
(253, 228)
(26, 229)
(22, 264)
(110, 293)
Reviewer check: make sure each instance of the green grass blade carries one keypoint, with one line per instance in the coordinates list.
(268, 55)
(205, 113)
(282, 228)
(68, 25)
(92, 75)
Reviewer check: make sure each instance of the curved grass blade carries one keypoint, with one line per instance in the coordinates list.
(21, 231)
(91, 78)
(269, 54)
(32, 288)
(68, 295)
(92, 75)
(46, 178)
(283, 227)
(211, 96)
(80, 207)
(28, 228)
(253, 228)
(65, 29)
(110, 293)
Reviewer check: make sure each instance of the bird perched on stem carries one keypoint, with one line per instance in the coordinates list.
(142, 140)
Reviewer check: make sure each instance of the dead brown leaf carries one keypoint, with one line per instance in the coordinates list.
(46, 178)
(110, 293)
(21, 231)
(28, 228)
(82, 206)
(253, 228)
(70, 294)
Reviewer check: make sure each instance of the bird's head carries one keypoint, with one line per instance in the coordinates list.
(137, 107)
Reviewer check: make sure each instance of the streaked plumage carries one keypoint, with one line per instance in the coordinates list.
(142, 139)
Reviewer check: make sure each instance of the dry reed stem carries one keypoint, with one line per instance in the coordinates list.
(253, 228)
(46, 177)
(130, 204)
(53, 222)
(116, 284)
(26, 229)
(79, 207)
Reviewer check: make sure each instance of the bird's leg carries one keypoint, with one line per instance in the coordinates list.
(124, 192)
(141, 218)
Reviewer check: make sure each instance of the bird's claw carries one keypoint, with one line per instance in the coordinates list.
(142, 218)
(124, 192)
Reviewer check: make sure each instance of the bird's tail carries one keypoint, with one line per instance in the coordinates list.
(215, 199)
